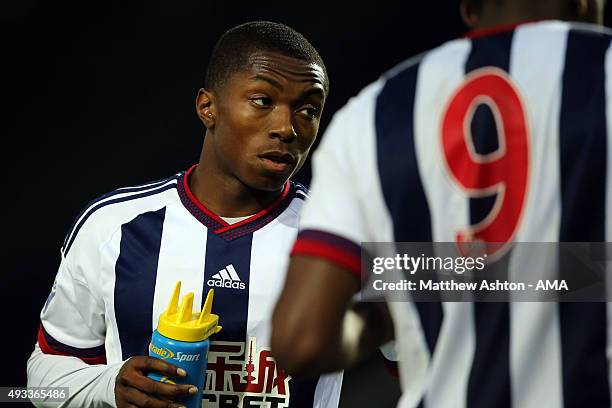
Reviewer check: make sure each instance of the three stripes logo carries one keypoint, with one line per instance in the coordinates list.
(226, 278)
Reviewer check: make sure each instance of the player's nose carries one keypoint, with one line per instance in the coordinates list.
(282, 126)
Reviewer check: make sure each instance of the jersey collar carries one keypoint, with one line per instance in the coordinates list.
(216, 224)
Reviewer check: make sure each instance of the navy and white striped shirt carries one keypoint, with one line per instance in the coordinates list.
(501, 137)
(120, 262)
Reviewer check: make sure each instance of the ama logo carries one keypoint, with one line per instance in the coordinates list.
(226, 278)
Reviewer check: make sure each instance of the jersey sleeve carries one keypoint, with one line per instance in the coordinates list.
(70, 349)
(88, 385)
(345, 207)
(72, 321)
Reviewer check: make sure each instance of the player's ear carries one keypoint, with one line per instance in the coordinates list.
(206, 107)
(468, 13)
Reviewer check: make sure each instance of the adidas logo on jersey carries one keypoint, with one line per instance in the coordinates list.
(226, 278)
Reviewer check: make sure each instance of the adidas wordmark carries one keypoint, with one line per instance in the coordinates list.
(226, 278)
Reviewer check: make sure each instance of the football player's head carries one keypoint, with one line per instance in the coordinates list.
(264, 93)
(480, 13)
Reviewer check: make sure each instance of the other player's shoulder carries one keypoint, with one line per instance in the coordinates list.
(457, 49)
(105, 214)
(582, 29)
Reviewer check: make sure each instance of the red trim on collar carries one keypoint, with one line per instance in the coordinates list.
(483, 32)
(197, 202)
(225, 226)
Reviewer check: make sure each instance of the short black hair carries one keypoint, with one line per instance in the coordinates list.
(232, 51)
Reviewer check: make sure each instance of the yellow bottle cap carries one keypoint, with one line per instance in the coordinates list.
(182, 324)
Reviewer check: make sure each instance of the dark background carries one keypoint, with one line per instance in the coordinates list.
(99, 95)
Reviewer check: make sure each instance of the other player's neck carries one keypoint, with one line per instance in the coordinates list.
(227, 196)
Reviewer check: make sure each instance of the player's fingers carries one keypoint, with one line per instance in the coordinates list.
(152, 387)
(152, 364)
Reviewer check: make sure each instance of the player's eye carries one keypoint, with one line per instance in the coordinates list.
(309, 111)
(261, 101)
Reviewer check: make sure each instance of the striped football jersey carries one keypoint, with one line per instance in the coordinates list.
(502, 136)
(121, 260)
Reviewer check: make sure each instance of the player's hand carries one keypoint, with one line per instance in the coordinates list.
(134, 389)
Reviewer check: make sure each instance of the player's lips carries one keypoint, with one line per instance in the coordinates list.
(277, 161)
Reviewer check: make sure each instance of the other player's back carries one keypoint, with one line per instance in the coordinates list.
(499, 137)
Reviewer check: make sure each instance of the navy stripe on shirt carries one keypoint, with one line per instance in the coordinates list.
(230, 302)
(583, 147)
(489, 381)
(135, 276)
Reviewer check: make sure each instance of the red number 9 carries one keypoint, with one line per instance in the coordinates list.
(504, 172)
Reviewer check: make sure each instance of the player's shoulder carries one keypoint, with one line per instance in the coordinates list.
(105, 214)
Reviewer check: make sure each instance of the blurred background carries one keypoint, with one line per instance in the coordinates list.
(99, 95)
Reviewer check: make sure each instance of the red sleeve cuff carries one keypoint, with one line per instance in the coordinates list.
(339, 250)
(49, 345)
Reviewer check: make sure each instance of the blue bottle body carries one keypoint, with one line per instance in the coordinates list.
(190, 356)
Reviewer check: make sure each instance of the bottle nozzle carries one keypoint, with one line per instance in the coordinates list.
(181, 323)
(207, 310)
(173, 306)
(186, 310)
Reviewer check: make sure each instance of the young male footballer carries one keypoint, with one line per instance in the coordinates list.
(226, 223)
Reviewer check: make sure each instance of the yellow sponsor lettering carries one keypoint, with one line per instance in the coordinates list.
(160, 351)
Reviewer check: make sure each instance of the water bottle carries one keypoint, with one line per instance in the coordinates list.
(182, 339)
